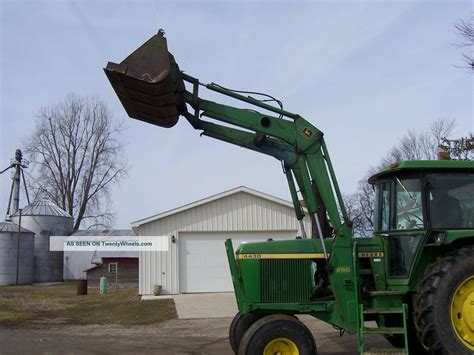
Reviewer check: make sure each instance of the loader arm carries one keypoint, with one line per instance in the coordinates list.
(295, 142)
(152, 88)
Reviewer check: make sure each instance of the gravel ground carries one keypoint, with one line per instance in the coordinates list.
(177, 336)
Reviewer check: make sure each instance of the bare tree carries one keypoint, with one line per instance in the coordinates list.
(460, 149)
(465, 29)
(360, 208)
(415, 145)
(421, 145)
(77, 154)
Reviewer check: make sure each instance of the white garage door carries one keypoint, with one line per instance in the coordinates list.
(203, 265)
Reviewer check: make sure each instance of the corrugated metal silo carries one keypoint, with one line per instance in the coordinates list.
(9, 254)
(46, 219)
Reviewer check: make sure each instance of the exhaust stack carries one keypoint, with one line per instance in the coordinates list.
(149, 83)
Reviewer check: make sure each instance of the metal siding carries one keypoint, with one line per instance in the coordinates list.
(8, 255)
(238, 212)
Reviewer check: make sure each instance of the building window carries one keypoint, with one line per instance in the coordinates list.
(113, 268)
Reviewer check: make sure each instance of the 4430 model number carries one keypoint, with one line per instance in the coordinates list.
(250, 256)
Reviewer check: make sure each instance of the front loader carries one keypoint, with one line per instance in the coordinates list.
(413, 278)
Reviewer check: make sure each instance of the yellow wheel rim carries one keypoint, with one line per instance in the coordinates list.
(462, 312)
(281, 346)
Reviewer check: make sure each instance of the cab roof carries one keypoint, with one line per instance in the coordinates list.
(422, 165)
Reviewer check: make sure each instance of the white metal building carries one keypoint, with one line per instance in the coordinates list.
(196, 259)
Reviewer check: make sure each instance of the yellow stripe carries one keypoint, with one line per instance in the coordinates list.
(282, 256)
(371, 254)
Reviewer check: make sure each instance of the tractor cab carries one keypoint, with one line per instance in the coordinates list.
(416, 195)
(417, 203)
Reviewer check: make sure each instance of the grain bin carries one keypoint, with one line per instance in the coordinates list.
(46, 219)
(9, 253)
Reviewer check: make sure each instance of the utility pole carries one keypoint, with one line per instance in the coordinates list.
(18, 246)
(16, 163)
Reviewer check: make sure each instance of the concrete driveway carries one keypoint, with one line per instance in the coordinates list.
(205, 305)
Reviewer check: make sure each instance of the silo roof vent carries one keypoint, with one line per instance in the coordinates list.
(9, 227)
(43, 208)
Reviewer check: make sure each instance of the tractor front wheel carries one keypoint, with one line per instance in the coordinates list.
(444, 304)
(278, 334)
(238, 327)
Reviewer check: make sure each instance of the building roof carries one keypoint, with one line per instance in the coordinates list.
(92, 267)
(104, 233)
(43, 208)
(210, 199)
(10, 227)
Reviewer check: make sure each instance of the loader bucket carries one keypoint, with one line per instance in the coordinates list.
(149, 84)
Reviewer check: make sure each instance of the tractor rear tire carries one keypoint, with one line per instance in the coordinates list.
(443, 304)
(238, 327)
(278, 334)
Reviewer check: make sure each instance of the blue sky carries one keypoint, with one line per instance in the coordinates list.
(364, 72)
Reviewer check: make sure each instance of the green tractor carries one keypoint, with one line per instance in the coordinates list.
(413, 279)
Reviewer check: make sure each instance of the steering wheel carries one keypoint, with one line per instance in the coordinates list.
(412, 223)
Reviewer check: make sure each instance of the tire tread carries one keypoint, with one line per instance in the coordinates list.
(424, 298)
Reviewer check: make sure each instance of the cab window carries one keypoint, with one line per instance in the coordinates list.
(408, 205)
(399, 205)
(451, 201)
(384, 223)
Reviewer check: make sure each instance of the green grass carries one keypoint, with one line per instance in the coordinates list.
(58, 305)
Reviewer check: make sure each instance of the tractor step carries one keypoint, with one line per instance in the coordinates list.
(387, 293)
(379, 312)
(376, 351)
(384, 330)
(383, 310)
